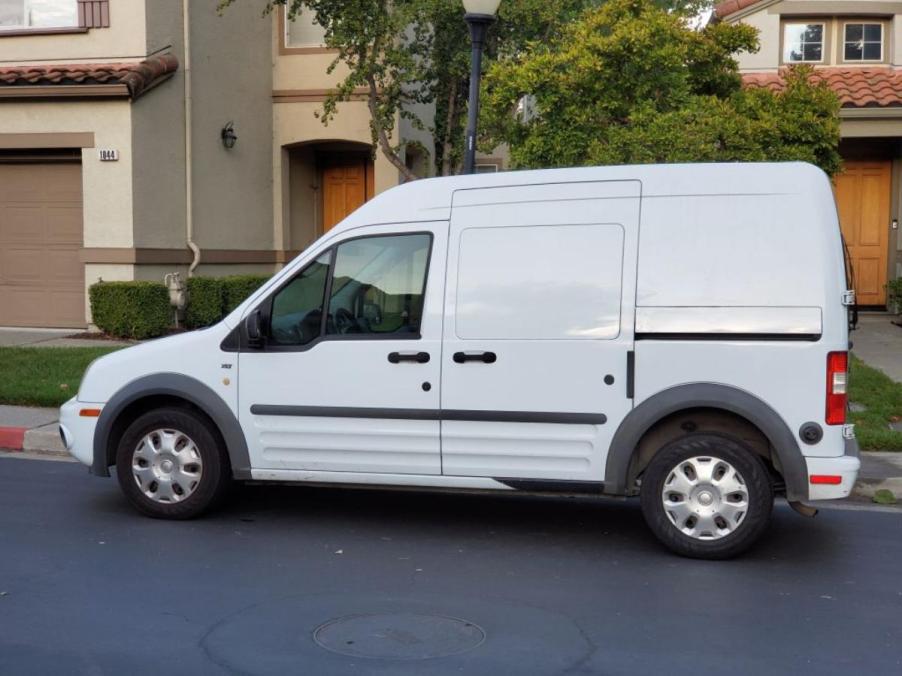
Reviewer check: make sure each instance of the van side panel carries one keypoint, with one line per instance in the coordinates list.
(744, 290)
(541, 277)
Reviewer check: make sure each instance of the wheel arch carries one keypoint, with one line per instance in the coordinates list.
(164, 389)
(628, 438)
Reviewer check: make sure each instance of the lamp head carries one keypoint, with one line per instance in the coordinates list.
(483, 7)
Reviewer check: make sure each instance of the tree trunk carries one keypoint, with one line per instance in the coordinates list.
(382, 135)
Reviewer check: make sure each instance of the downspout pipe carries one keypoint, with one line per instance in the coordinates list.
(189, 164)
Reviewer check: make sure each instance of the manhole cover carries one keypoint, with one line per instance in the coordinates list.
(398, 636)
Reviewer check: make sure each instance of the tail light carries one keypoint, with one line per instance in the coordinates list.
(837, 378)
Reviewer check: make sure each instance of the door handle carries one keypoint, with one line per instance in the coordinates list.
(416, 357)
(484, 357)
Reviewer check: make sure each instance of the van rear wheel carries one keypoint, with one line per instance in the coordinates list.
(170, 465)
(707, 496)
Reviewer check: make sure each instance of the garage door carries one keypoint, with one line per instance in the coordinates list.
(41, 276)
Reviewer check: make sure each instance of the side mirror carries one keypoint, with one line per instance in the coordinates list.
(253, 327)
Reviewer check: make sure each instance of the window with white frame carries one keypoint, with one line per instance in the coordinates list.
(21, 14)
(803, 42)
(303, 31)
(863, 42)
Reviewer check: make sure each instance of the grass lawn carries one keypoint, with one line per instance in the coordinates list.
(44, 376)
(883, 398)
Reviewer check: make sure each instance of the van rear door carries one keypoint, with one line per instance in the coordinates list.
(538, 327)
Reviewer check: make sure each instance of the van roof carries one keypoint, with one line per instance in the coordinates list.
(431, 199)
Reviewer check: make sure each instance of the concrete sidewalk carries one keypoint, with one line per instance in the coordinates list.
(15, 337)
(878, 342)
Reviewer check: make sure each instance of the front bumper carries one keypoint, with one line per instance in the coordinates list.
(845, 467)
(77, 431)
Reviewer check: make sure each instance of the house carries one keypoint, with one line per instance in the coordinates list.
(855, 46)
(142, 137)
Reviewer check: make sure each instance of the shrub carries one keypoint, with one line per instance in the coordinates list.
(131, 309)
(205, 302)
(238, 287)
(894, 293)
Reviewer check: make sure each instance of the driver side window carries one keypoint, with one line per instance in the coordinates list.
(375, 289)
(378, 286)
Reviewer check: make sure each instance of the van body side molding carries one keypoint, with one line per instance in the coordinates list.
(730, 321)
(430, 414)
(182, 387)
(618, 477)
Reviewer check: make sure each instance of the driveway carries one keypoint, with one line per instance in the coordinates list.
(878, 341)
(294, 580)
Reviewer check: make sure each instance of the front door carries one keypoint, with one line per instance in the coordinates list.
(534, 372)
(348, 377)
(863, 202)
(345, 188)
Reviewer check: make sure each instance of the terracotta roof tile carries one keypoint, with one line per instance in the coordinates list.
(727, 7)
(138, 77)
(856, 87)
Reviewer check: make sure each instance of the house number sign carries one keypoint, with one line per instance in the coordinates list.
(108, 155)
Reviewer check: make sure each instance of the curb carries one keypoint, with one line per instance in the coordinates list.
(44, 440)
(13, 438)
(867, 487)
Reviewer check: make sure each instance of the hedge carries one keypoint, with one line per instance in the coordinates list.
(238, 287)
(894, 291)
(131, 309)
(205, 302)
(212, 298)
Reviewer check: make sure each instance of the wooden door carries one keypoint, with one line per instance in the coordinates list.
(344, 189)
(863, 200)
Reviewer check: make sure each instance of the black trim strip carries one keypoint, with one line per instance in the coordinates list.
(789, 337)
(630, 374)
(554, 486)
(429, 414)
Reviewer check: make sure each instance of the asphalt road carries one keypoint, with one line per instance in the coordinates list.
(493, 585)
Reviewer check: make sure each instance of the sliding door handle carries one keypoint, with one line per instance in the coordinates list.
(484, 357)
(416, 357)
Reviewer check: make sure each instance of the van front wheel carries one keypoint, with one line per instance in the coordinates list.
(170, 465)
(707, 496)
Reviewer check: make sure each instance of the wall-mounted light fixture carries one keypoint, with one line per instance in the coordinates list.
(228, 135)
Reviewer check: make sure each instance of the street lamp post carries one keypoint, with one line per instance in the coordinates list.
(480, 15)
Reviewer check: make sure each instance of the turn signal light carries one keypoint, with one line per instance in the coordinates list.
(837, 377)
(89, 413)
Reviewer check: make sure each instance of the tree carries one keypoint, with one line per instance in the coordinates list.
(630, 82)
(407, 52)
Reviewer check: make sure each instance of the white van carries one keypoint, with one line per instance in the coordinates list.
(675, 332)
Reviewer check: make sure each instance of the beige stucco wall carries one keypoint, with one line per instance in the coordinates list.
(768, 57)
(107, 186)
(163, 26)
(232, 81)
(870, 128)
(767, 19)
(158, 147)
(297, 123)
(300, 71)
(124, 40)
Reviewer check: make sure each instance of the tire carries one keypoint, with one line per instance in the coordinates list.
(171, 465)
(721, 514)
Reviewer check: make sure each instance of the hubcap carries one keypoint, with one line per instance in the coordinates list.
(705, 498)
(167, 466)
